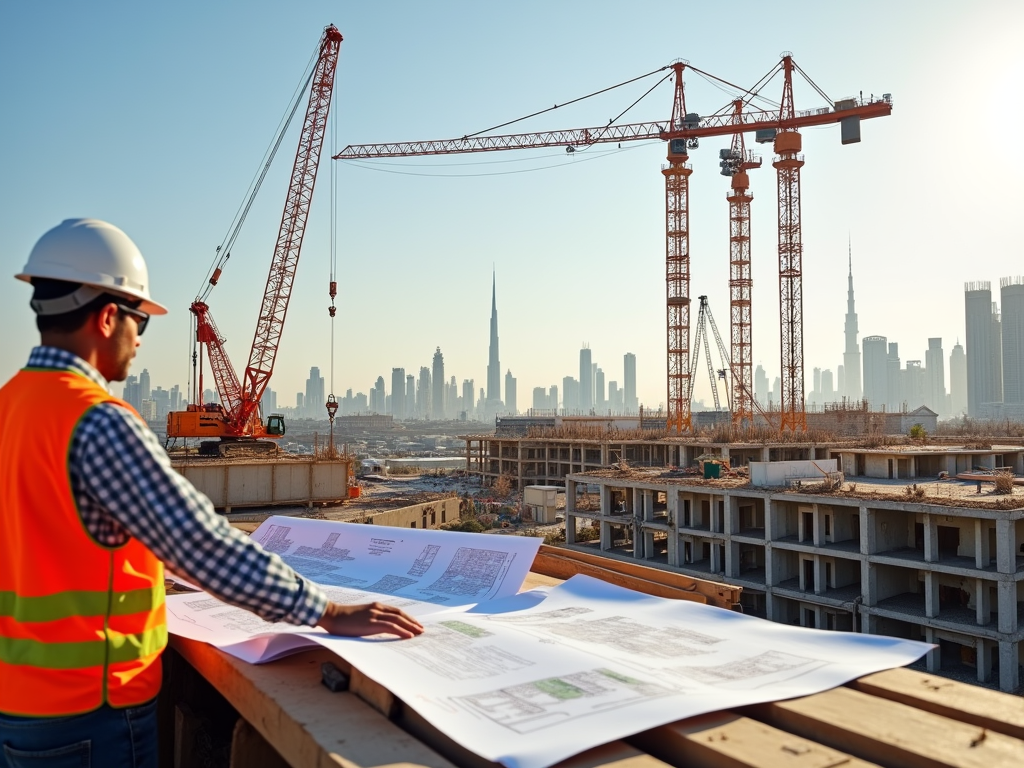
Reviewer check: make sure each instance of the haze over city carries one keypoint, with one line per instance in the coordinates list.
(156, 119)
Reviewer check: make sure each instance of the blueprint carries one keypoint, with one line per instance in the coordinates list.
(420, 571)
(591, 663)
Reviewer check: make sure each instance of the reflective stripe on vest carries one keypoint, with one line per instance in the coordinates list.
(80, 624)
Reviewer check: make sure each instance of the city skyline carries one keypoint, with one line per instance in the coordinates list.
(578, 238)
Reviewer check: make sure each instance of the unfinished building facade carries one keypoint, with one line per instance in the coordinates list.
(922, 568)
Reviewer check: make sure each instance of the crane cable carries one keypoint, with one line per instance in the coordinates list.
(332, 401)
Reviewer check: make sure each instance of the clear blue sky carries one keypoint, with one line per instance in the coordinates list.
(156, 116)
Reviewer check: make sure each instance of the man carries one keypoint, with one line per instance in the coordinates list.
(90, 509)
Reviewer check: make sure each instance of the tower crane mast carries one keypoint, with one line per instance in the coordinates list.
(237, 416)
(682, 132)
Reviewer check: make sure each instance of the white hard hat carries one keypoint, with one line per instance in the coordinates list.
(99, 256)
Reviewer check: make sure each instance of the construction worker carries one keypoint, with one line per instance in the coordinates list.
(90, 510)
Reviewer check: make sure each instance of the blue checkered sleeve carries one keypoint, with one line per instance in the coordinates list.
(124, 485)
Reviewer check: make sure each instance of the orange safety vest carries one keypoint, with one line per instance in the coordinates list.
(81, 624)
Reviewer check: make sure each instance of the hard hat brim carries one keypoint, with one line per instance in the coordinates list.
(148, 306)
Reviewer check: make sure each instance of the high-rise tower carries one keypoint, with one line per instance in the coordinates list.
(493, 366)
(1011, 295)
(984, 358)
(851, 357)
(586, 380)
(437, 390)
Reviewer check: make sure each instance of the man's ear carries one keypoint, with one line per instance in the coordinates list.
(105, 320)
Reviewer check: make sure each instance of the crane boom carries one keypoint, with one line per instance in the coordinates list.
(293, 227)
(238, 415)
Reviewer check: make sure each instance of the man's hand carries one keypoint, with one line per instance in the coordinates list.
(368, 619)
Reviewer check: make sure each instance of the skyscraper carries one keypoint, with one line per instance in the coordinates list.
(894, 379)
(1011, 298)
(935, 373)
(629, 399)
(851, 358)
(510, 393)
(410, 396)
(761, 386)
(468, 391)
(957, 380)
(144, 385)
(437, 398)
(570, 395)
(493, 365)
(984, 369)
(316, 397)
(599, 390)
(876, 382)
(423, 393)
(828, 392)
(540, 400)
(398, 393)
(553, 397)
(586, 380)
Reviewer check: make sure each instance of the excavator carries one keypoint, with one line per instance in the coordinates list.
(237, 420)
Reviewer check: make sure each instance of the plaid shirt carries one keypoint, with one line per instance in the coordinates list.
(123, 484)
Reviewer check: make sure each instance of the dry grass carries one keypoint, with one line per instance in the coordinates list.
(1004, 482)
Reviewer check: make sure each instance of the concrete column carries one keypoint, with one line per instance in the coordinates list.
(732, 514)
(982, 555)
(606, 536)
(1009, 674)
(769, 567)
(1006, 546)
(931, 539)
(732, 559)
(716, 561)
(931, 594)
(648, 505)
(1007, 607)
(769, 520)
(606, 499)
(868, 542)
(638, 515)
(869, 624)
(868, 583)
(982, 601)
(673, 548)
(818, 532)
(983, 657)
(933, 658)
(604, 455)
(800, 569)
(819, 575)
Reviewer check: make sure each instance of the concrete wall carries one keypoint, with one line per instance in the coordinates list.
(429, 514)
(779, 473)
(237, 483)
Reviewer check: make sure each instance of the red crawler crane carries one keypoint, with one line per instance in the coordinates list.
(682, 132)
(238, 417)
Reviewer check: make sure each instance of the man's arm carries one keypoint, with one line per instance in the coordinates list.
(124, 484)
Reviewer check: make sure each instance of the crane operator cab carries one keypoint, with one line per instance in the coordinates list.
(275, 424)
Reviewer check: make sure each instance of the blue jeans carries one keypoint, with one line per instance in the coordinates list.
(104, 738)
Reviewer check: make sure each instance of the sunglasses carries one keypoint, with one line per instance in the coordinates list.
(140, 317)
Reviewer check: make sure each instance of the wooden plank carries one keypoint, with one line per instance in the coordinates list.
(717, 593)
(565, 567)
(996, 711)
(616, 754)
(725, 740)
(307, 724)
(891, 733)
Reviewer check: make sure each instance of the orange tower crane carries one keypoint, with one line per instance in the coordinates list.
(735, 162)
(237, 417)
(682, 132)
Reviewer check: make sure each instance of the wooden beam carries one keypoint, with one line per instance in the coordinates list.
(890, 733)
(714, 590)
(996, 711)
(725, 740)
(307, 724)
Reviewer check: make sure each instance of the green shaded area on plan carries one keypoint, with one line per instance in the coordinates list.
(620, 677)
(466, 629)
(559, 689)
